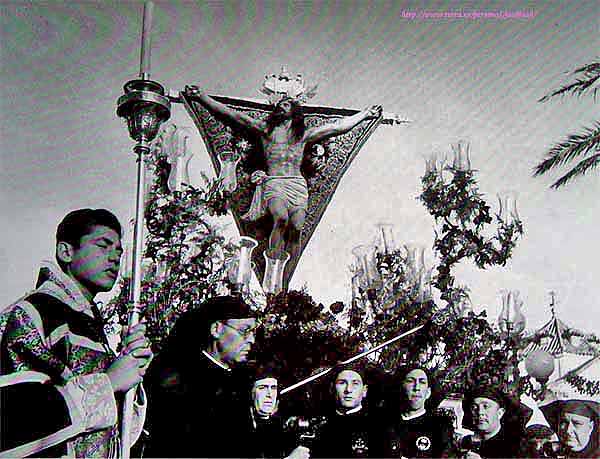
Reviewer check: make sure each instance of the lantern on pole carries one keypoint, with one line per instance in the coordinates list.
(144, 106)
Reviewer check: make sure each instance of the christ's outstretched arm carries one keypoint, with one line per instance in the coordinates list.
(318, 134)
(230, 116)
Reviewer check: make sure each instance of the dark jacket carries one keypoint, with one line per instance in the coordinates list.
(425, 436)
(345, 435)
(192, 409)
(501, 445)
(261, 438)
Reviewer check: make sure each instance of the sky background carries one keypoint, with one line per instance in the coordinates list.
(62, 147)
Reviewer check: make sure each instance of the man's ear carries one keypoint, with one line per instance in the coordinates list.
(216, 329)
(428, 393)
(364, 391)
(501, 412)
(64, 252)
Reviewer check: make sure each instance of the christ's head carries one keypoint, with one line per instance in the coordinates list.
(288, 109)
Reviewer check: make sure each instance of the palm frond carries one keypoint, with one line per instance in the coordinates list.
(591, 75)
(581, 169)
(594, 67)
(576, 145)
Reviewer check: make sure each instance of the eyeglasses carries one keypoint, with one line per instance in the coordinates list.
(246, 332)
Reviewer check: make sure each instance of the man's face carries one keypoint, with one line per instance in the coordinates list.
(236, 339)
(575, 430)
(94, 265)
(285, 107)
(264, 397)
(416, 389)
(349, 389)
(486, 414)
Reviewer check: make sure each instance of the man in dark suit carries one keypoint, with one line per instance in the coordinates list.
(199, 382)
(417, 433)
(348, 431)
(261, 432)
(487, 407)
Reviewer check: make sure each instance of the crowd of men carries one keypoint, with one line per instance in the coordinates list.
(61, 385)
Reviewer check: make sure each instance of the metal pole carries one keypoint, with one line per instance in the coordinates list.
(138, 248)
(140, 150)
(351, 359)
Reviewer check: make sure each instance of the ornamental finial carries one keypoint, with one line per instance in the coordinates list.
(283, 86)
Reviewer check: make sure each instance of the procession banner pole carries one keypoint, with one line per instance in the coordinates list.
(145, 107)
(351, 359)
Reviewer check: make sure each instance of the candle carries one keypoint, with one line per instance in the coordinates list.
(146, 41)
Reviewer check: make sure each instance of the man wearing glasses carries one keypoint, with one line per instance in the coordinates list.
(198, 383)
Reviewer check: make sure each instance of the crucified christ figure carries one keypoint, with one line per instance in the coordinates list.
(282, 190)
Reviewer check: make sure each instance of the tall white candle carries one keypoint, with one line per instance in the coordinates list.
(146, 41)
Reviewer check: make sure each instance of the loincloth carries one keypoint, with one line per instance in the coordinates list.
(291, 189)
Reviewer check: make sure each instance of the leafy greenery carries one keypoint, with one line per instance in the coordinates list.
(585, 145)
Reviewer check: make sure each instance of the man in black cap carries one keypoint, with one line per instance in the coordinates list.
(348, 431)
(576, 420)
(418, 433)
(487, 407)
(199, 382)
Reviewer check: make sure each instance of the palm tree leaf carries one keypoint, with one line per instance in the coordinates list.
(591, 75)
(581, 169)
(593, 67)
(575, 145)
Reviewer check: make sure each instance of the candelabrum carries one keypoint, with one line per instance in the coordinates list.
(383, 275)
(366, 265)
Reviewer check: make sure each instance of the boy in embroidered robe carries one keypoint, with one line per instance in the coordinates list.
(57, 330)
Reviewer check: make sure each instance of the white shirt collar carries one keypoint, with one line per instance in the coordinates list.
(409, 416)
(353, 410)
